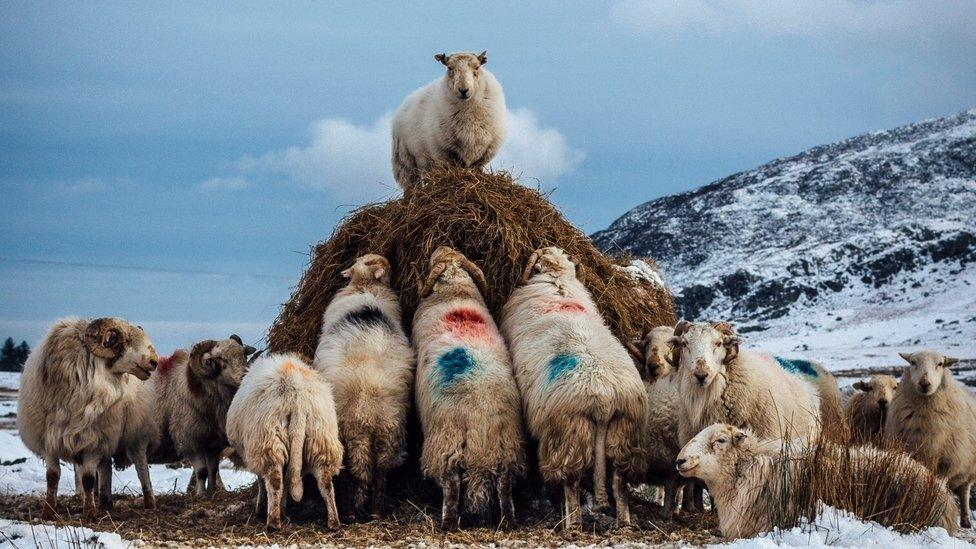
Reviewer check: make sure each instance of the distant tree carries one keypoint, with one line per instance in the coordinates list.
(13, 357)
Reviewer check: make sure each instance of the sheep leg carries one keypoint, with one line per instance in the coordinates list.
(273, 485)
(105, 483)
(260, 500)
(142, 471)
(213, 464)
(965, 516)
(199, 474)
(601, 500)
(571, 505)
(451, 486)
(505, 498)
(379, 493)
(88, 471)
(699, 492)
(79, 490)
(48, 510)
(688, 497)
(621, 499)
(670, 495)
(324, 480)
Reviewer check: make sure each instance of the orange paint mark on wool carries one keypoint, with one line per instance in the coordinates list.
(565, 307)
(467, 324)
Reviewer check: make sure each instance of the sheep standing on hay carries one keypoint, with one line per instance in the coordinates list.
(653, 357)
(72, 399)
(867, 409)
(935, 417)
(466, 395)
(584, 400)
(458, 119)
(750, 478)
(772, 396)
(282, 425)
(367, 358)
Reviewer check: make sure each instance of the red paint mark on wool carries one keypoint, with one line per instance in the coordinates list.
(166, 364)
(467, 324)
(565, 307)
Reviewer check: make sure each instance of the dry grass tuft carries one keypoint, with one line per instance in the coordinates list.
(488, 217)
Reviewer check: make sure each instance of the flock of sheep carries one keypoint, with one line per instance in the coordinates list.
(682, 408)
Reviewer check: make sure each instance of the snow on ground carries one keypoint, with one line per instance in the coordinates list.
(19, 535)
(838, 529)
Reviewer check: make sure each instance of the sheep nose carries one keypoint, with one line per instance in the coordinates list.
(882, 402)
(153, 363)
(924, 384)
(464, 92)
(701, 378)
(680, 461)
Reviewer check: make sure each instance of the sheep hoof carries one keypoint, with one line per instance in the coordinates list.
(273, 525)
(105, 504)
(47, 512)
(149, 503)
(965, 522)
(332, 524)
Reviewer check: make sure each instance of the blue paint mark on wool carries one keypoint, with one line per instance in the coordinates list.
(455, 363)
(797, 366)
(560, 364)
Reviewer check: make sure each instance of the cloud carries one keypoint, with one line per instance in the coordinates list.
(223, 184)
(352, 161)
(825, 19)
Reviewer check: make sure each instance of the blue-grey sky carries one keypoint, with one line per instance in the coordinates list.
(206, 147)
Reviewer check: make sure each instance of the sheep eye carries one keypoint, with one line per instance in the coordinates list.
(721, 441)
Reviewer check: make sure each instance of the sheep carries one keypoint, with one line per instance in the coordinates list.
(753, 479)
(774, 397)
(72, 399)
(367, 358)
(867, 409)
(282, 425)
(458, 119)
(935, 418)
(466, 394)
(653, 357)
(583, 398)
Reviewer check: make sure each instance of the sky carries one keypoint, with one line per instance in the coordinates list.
(173, 164)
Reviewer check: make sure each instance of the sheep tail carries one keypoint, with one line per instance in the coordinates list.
(477, 491)
(296, 453)
(359, 459)
(600, 465)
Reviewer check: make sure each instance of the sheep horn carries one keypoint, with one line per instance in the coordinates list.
(196, 358)
(579, 268)
(103, 338)
(681, 327)
(436, 271)
(527, 273)
(725, 327)
(238, 339)
(636, 354)
(477, 275)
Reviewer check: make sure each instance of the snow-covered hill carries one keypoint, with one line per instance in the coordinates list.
(861, 245)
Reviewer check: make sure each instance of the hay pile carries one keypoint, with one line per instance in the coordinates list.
(488, 217)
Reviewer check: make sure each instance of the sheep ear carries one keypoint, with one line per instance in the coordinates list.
(254, 357)
(248, 350)
(483, 57)
(949, 361)
(428, 285)
(731, 343)
(681, 327)
(861, 386)
(443, 58)
(739, 436)
(103, 338)
(529, 267)
(906, 356)
(378, 273)
(477, 275)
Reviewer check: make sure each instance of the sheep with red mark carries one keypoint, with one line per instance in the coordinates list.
(367, 358)
(583, 398)
(466, 394)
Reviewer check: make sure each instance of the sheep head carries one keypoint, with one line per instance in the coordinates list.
(879, 390)
(127, 349)
(464, 74)
(368, 269)
(703, 350)
(712, 453)
(224, 362)
(653, 354)
(448, 264)
(927, 370)
(551, 261)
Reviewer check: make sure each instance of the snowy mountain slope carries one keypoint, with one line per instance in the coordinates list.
(869, 242)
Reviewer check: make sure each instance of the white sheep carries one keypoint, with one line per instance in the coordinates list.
(458, 119)
(753, 480)
(774, 397)
(367, 358)
(466, 394)
(73, 394)
(282, 425)
(583, 398)
(867, 409)
(935, 417)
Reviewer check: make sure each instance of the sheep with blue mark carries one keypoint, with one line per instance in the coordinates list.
(367, 358)
(772, 396)
(466, 395)
(583, 398)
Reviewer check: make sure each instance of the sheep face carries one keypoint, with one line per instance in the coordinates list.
(224, 361)
(552, 261)
(658, 352)
(126, 349)
(464, 73)
(880, 390)
(926, 370)
(710, 452)
(701, 350)
(368, 269)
